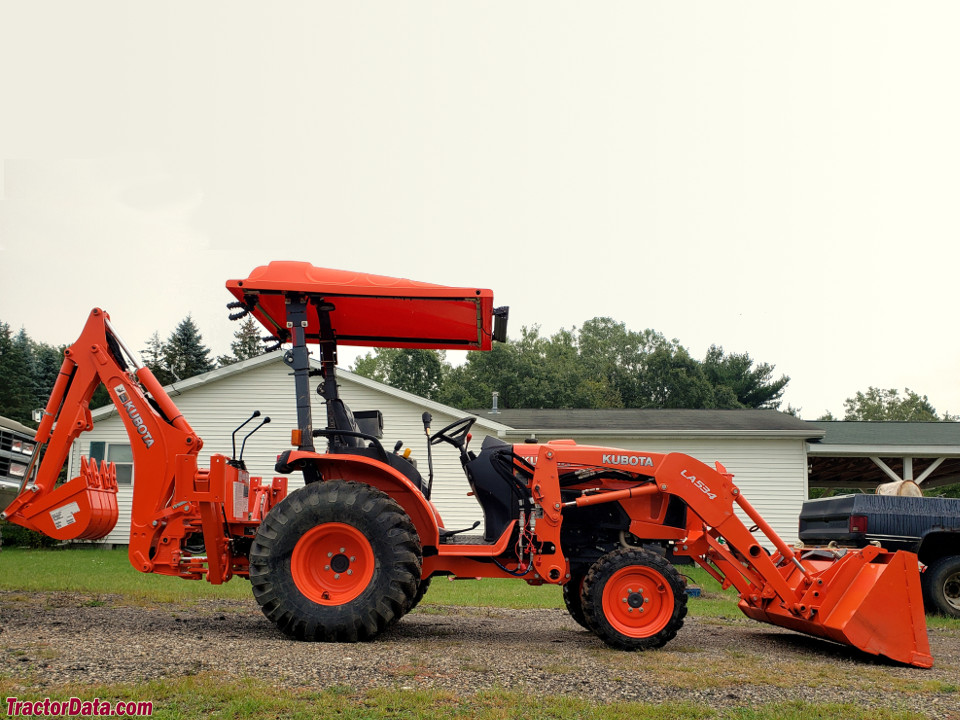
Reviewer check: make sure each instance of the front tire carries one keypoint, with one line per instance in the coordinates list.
(572, 599)
(941, 584)
(634, 599)
(335, 562)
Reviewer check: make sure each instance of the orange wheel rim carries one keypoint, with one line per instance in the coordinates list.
(332, 563)
(638, 601)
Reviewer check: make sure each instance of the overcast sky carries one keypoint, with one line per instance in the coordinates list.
(779, 179)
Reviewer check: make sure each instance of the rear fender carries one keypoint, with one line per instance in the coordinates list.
(378, 475)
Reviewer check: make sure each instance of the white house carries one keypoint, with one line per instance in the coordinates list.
(766, 450)
(215, 403)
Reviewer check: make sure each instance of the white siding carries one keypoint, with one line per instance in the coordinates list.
(214, 409)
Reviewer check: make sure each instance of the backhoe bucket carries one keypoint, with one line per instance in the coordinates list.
(84, 508)
(868, 598)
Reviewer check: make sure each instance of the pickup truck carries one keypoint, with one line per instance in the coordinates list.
(927, 526)
(16, 451)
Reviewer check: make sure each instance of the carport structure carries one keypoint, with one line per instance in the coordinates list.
(863, 455)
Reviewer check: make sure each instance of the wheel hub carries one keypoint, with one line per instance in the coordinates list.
(951, 590)
(332, 563)
(637, 601)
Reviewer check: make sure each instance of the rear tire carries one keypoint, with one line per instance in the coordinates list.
(634, 599)
(335, 562)
(941, 586)
(421, 591)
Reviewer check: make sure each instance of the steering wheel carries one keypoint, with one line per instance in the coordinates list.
(455, 433)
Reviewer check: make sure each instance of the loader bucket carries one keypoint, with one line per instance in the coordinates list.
(84, 508)
(868, 598)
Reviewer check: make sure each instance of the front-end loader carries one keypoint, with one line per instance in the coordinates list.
(347, 555)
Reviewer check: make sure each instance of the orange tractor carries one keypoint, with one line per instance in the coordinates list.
(348, 554)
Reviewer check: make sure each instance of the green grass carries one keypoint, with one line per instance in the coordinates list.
(492, 592)
(211, 696)
(108, 572)
(99, 572)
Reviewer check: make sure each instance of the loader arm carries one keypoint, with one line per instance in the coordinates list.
(868, 598)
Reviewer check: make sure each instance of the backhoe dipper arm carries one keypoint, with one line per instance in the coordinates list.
(86, 507)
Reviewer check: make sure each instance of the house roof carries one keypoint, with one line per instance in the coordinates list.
(654, 422)
(183, 386)
(845, 437)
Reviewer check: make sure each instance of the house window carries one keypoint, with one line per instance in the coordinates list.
(118, 453)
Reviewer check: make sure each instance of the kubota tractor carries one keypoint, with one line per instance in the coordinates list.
(351, 552)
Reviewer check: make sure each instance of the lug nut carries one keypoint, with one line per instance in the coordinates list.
(326, 567)
(336, 576)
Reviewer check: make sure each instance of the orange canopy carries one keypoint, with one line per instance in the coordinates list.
(371, 310)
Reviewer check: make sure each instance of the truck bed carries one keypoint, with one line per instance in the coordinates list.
(897, 523)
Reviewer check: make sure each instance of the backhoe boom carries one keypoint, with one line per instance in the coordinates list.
(173, 498)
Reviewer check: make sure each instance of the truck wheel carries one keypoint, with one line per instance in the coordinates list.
(573, 601)
(634, 599)
(335, 562)
(941, 583)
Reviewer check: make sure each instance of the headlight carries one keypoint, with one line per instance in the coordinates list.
(17, 470)
(28, 448)
(17, 446)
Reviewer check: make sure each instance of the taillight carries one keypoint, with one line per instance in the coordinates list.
(858, 523)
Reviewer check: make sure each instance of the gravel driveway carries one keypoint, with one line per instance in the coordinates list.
(47, 639)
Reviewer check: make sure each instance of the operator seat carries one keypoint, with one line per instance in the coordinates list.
(343, 419)
(494, 487)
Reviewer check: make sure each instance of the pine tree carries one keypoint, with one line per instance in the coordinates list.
(247, 343)
(18, 396)
(184, 353)
(153, 357)
(48, 361)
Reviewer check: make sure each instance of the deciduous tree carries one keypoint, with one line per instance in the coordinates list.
(878, 404)
(414, 370)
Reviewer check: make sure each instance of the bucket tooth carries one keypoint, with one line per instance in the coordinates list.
(84, 508)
